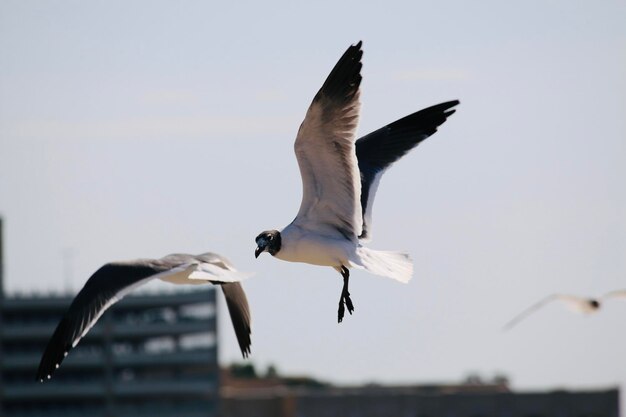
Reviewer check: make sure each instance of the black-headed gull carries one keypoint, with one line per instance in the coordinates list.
(340, 177)
(116, 279)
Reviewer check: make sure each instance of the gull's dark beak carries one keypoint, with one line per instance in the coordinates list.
(258, 251)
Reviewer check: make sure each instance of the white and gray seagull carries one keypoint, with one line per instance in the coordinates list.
(340, 177)
(116, 279)
(584, 305)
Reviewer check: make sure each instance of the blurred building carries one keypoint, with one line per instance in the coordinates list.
(149, 355)
(304, 397)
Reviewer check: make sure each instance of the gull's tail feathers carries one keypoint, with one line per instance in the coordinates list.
(394, 265)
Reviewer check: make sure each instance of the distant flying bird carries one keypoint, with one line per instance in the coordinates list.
(577, 304)
(116, 279)
(340, 179)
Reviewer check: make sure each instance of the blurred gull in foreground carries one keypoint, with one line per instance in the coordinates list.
(116, 279)
(340, 178)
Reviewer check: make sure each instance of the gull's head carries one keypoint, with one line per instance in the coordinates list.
(268, 241)
(594, 304)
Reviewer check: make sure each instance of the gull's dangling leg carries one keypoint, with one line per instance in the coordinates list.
(345, 272)
(345, 294)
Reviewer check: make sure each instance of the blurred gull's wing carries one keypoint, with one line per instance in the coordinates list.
(579, 304)
(615, 294)
(221, 271)
(103, 289)
(239, 310)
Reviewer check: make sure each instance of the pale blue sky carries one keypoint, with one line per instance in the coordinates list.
(137, 129)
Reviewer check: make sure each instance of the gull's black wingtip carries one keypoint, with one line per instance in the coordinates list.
(432, 117)
(55, 351)
(419, 125)
(245, 343)
(446, 105)
(245, 352)
(45, 370)
(355, 51)
(343, 82)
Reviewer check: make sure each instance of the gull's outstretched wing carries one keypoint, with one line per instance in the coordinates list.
(576, 303)
(376, 151)
(239, 310)
(325, 151)
(615, 294)
(111, 283)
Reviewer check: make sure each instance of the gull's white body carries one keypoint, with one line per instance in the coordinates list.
(302, 245)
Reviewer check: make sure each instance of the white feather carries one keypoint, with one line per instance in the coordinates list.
(367, 216)
(207, 272)
(394, 265)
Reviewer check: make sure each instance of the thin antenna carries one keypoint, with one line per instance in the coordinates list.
(68, 268)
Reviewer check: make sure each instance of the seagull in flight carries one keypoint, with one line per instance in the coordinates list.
(340, 177)
(584, 305)
(116, 279)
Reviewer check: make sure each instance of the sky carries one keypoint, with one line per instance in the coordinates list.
(138, 129)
